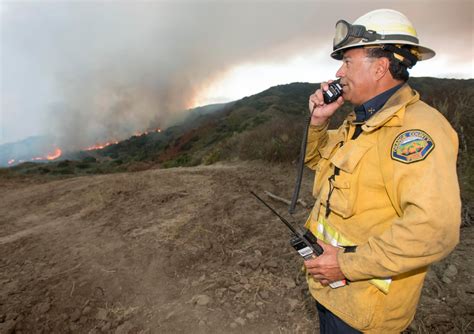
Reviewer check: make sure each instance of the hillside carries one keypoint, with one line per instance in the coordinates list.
(38, 148)
(277, 114)
(267, 126)
(224, 132)
(179, 250)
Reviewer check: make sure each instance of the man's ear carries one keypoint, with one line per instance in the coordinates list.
(382, 67)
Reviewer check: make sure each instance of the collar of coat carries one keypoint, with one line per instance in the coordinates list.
(393, 112)
(371, 107)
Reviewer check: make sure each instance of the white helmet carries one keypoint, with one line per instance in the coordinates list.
(385, 27)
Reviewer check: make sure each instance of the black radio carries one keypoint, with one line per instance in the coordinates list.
(333, 92)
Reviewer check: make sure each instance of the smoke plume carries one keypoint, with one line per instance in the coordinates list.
(88, 72)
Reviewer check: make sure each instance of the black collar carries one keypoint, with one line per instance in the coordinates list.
(369, 108)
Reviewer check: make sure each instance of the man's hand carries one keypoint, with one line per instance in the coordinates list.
(322, 111)
(325, 267)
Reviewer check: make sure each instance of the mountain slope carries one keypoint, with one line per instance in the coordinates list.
(266, 126)
(275, 118)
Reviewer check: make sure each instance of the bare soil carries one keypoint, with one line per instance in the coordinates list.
(181, 250)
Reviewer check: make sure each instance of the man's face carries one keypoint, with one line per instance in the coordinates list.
(357, 76)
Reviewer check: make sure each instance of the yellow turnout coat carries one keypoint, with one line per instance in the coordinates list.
(396, 197)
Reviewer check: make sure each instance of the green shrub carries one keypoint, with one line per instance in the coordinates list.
(211, 157)
(43, 170)
(82, 165)
(62, 171)
(182, 160)
(64, 163)
(277, 140)
(89, 160)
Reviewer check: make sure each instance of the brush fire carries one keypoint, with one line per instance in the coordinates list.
(50, 156)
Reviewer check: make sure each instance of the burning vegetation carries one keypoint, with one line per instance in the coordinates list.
(57, 153)
(48, 157)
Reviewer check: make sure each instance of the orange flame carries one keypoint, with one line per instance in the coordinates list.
(100, 146)
(50, 156)
(104, 145)
(58, 152)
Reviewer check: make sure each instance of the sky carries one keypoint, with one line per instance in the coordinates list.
(92, 71)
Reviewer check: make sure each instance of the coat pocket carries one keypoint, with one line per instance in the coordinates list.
(359, 313)
(340, 191)
(339, 196)
(323, 168)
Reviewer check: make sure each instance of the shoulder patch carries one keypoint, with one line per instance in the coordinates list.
(411, 146)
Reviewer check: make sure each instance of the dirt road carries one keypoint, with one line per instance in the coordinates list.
(175, 251)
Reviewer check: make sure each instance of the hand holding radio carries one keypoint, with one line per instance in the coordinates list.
(325, 101)
(324, 270)
(325, 267)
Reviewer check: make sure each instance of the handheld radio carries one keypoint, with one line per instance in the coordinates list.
(333, 92)
(303, 241)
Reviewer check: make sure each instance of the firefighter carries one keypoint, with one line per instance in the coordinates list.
(387, 195)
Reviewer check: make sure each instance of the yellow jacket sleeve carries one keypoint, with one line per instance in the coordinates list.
(317, 138)
(426, 196)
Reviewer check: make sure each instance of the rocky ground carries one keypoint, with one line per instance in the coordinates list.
(183, 250)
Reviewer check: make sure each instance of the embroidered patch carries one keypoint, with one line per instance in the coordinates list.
(411, 146)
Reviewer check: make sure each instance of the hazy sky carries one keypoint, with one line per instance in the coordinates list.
(88, 71)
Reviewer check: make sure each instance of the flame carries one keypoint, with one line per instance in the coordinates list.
(100, 146)
(50, 156)
(58, 152)
(104, 145)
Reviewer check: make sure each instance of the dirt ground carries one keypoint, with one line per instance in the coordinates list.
(182, 250)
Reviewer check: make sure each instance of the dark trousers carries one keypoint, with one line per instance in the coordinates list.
(330, 324)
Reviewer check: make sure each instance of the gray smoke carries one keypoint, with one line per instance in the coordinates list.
(89, 72)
